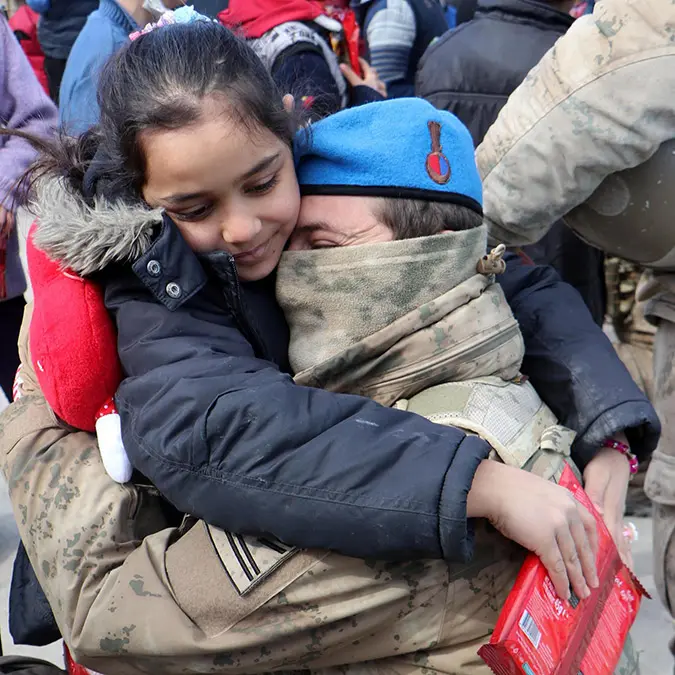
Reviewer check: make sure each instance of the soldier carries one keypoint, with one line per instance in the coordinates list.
(593, 125)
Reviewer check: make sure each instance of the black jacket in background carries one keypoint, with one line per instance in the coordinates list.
(472, 70)
(209, 7)
(60, 25)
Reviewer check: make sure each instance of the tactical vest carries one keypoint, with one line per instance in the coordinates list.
(521, 429)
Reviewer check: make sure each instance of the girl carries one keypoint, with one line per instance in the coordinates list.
(183, 201)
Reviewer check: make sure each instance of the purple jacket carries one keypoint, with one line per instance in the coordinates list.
(23, 105)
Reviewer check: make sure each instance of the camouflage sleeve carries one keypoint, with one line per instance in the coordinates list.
(84, 535)
(600, 101)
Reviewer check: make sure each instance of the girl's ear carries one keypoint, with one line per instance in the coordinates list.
(289, 103)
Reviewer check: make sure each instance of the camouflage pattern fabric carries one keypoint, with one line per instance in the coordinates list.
(560, 135)
(167, 603)
(635, 346)
(334, 298)
(453, 358)
(626, 313)
(659, 292)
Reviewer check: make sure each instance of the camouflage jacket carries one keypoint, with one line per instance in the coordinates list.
(577, 118)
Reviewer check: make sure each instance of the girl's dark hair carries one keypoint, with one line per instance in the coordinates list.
(159, 81)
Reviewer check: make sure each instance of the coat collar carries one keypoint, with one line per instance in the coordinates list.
(118, 15)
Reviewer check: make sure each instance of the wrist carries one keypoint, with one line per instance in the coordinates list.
(619, 444)
(480, 501)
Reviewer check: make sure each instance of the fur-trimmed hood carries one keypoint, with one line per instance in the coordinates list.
(86, 238)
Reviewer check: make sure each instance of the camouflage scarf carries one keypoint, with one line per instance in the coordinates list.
(388, 320)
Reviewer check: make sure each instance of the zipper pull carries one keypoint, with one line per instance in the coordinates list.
(492, 263)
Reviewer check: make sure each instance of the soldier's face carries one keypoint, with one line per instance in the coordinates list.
(327, 221)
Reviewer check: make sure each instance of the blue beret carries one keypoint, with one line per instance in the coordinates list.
(401, 148)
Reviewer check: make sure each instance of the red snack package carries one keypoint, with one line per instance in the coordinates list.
(538, 633)
(73, 668)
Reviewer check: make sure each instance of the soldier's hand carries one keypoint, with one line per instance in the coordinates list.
(542, 517)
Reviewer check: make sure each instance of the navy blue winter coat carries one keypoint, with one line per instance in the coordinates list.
(212, 417)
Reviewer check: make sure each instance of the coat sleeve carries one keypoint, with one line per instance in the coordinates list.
(390, 33)
(78, 107)
(573, 365)
(600, 102)
(25, 107)
(227, 437)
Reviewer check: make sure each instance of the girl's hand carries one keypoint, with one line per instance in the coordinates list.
(606, 482)
(542, 517)
(370, 77)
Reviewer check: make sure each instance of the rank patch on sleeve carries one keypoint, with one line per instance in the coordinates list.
(249, 560)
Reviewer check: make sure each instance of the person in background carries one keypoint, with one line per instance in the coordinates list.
(397, 32)
(59, 25)
(23, 106)
(472, 70)
(293, 38)
(105, 31)
(24, 23)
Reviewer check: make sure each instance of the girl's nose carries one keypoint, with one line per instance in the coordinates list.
(241, 228)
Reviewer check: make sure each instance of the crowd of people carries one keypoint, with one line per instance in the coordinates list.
(334, 416)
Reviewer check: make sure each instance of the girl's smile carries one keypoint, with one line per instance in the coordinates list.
(226, 186)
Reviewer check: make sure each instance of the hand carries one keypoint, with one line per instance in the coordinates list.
(606, 482)
(289, 103)
(6, 223)
(544, 518)
(370, 77)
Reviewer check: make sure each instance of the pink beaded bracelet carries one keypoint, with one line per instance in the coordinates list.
(624, 450)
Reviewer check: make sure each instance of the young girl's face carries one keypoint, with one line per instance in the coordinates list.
(226, 188)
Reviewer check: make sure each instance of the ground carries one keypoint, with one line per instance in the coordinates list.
(651, 632)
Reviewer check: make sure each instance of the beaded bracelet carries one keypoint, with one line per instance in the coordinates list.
(624, 450)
